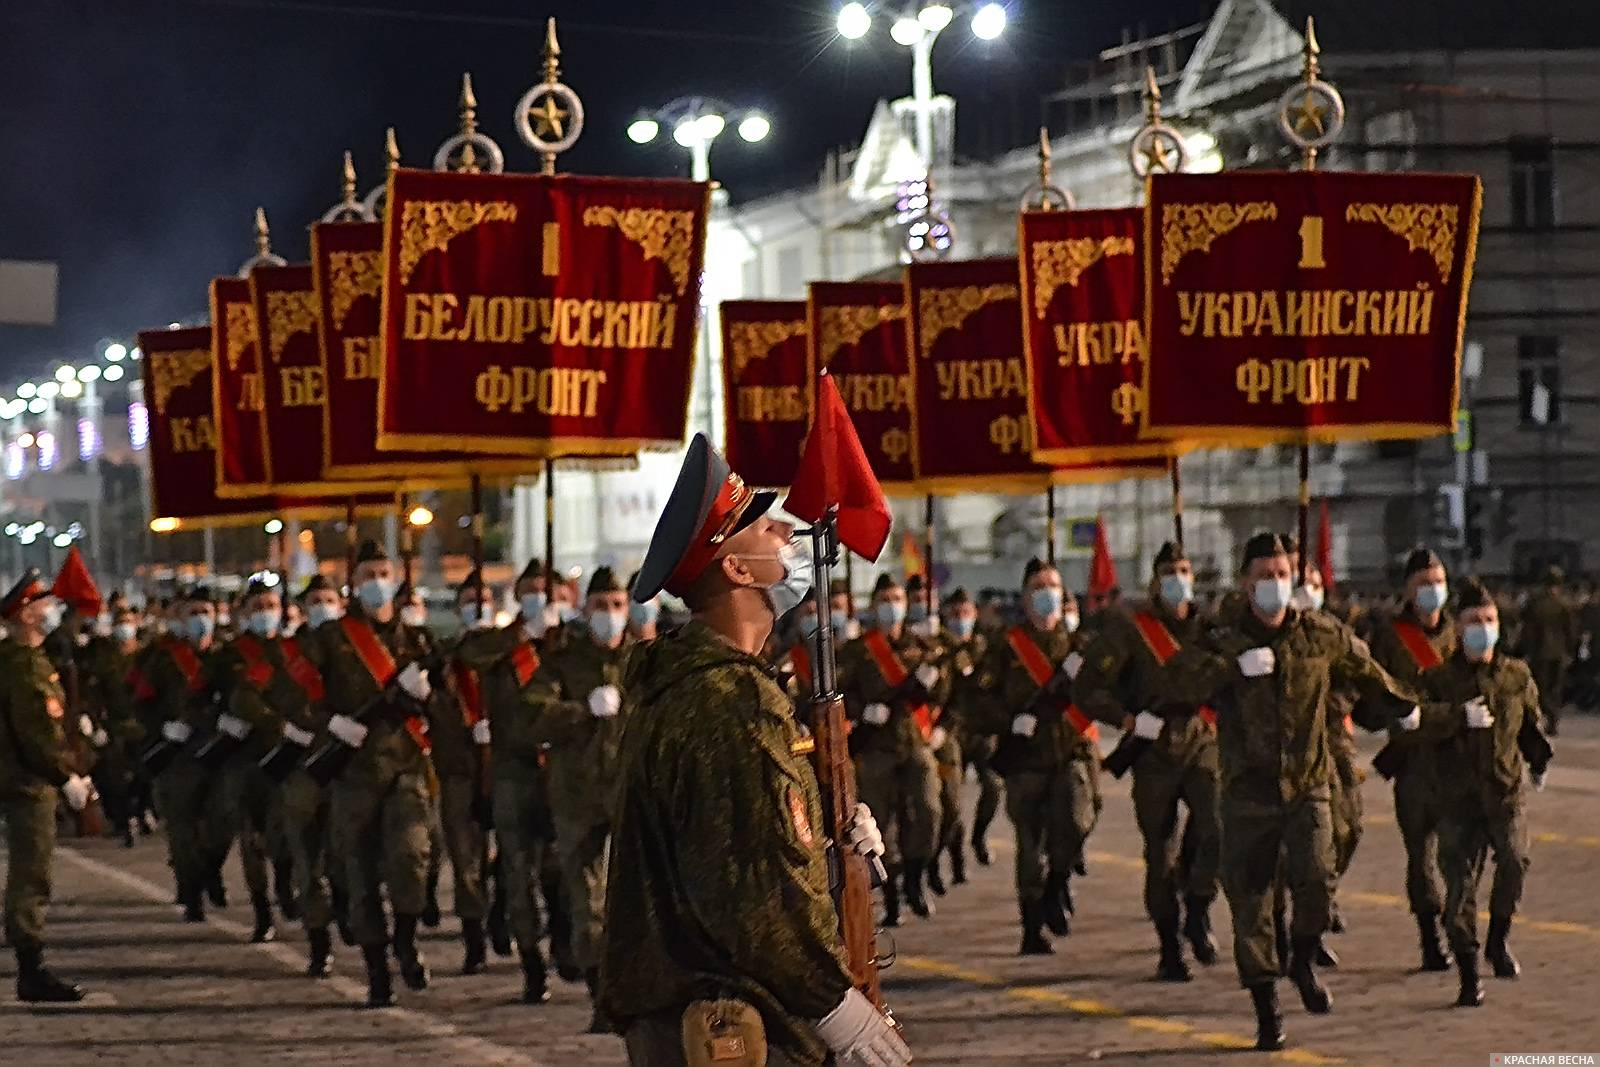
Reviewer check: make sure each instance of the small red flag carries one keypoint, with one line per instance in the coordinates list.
(1102, 570)
(74, 585)
(1325, 548)
(834, 471)
(911, 561)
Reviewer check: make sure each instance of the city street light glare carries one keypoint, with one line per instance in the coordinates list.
(163, 525)
(49, 391)
(37, 406)
(711, 126)
(420, 516)
(91, 373)
(71, 389)
(906, 31)
(854, 22)
(686, 133)
(989, 22)
(26, 440)
(273, 526)
(116, 353)
(935, 17)
(643, 131)
(754, 127)
(63, 540)
(27, 391)
(66, 374)
(113, 373)
(11, 529)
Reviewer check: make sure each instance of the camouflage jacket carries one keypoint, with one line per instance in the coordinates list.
(390, 748)
(103, 691)
(719, 879)
(583, 747)
(504, 662)
(34, 758)
(1481, 768)
(253, 676)
(862, 682)
(1549, 629)
(1395, 656)
(965, 664)
(172, 682)
(1054, 741)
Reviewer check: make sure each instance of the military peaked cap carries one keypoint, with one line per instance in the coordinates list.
(29, 588)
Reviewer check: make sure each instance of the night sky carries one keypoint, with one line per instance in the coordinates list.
(137, 136)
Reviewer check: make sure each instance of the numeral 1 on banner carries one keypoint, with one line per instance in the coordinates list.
(1311, 243)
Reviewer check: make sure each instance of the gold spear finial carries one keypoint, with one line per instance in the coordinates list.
(349, 179)
(469, 127)
(263, 235)
(1152, 96)
(1312, 50)
(1044, 156)
(552, 53)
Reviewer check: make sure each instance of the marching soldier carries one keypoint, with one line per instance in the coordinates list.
(378, 689)
(34, 764)
(577, 697)
(103, 666)
(1483, 712)
(1173, 749)
(893, 688)
(964, 651)
(719, 900)
(1046, 753)
(1267, 672)
(1418, 639)
(1549, 634)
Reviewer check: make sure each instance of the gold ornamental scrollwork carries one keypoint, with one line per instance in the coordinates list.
(662, 234)
(939, 310)
(848, 324)
(1058, 263)
(750, 341)
(352, 275)
(240, 319)
(175, 370)
(1189, 228)
(289, 311)
(430, 225)
(1430, 227)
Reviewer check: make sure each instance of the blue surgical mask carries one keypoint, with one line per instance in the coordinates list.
(1045, 602)
(262, 623)
(889, 614)
(917, 612)
(568, 612)
(317, 614)
(1431, 597)
(642, 615)
(376, 594)
(839, 620)
(607, 626)
(533, 605)
(1176, 590)
(477, 616)
(199, 627)
(1479, 638)
(123, 632)
(962, 626)
(1271, 595)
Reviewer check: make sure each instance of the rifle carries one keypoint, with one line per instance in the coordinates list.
(836, 775)
(331, 760)
(1051, 700)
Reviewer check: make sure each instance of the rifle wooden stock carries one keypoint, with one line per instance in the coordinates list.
(836, 774)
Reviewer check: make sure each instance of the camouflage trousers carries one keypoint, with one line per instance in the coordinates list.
(903, 793)
(1256, 836)
(949, 832)
(583, 846)
(30, 843)
(1345, 806)
(247, 795)
(1467, 836)
(464, 843)
(195, 821)
(1418, 811)
(1550, 675)
(381, 828)
(1177, 863)
(303, 811)
(976, 750)
(1053, 813)
(523, 830)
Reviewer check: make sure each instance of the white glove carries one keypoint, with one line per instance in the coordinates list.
(1536, 779)
(860, 1036)
(348, 730)
(480, 732)
(79, 791)
(414, 680)
(604, 702)
(1257, 662)
(233, 726)
(1478, 715)
(862, 833)
(1072, 665)
(928, 676)
(875, 714)
(939, 736)
(99, 739)
(1147, 726)
(1025, 724)
(1412, 721)
(176, 732)
(296, 736)
(85, 726)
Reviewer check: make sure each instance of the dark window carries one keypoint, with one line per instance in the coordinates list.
(1397, 449)
(1533, 183)
(1539, 380)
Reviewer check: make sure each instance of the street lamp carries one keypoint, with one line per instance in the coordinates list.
(854, 21)
(116, 352)
(420, 516)
(695, 122)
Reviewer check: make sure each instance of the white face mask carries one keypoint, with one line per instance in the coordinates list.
(607, 626)
(319, 613)
(477, 616)
(262, 623)
(50, 617)
(1271, 595)
(787, 592)
(414, 615)
(123, 632)
(1309, 598)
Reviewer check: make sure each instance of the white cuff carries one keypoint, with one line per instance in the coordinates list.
(296, 736)
(480, 732)
(177, 732)
(233, 726)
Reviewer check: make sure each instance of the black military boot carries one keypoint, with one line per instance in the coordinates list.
(559, 925)
(1497, 952)
(1068, 901)
(1269, 1017)
(1471, 995)
(476, 960)
(319, 962)
(413, 968)
(1034, 943)
(430, 910)
(980, 846)
(1303, 972)
(1435, 957)
(37, 985)
(341, 914)
(264, 930)
(891, 901)
(597, 1022)
(1336, 923)
(1053, 908)
(499, 926)
(534, 989)
(192, 897)
(1171, 968)
(935, 879)
(1197, 928)
(958, 863)
(217, 889)
(1326, 957)
(283, 890)
(920, 905)
(380, 988)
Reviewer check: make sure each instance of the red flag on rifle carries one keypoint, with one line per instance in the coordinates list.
(1102, 570)
(75, 587)
(834, 471)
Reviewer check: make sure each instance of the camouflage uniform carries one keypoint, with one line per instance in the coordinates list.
(961, 662)
(34, 763)
(462, 795)
(719, 885)
(1549, 632)
(104, 697)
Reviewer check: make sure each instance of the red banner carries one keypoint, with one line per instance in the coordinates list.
(541, 316)
(1083, 310)
(857, 333)
(241, 455)
(1310, 306)
(765, 387)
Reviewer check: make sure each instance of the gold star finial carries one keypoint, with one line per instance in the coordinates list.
(1309, 117)
(551, 117)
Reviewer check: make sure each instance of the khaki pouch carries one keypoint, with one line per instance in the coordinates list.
(723, 1033)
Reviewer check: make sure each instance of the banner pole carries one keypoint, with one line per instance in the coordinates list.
(407, 550)
(350, 541)
(1050, 526)
(477, 532)
(1177, 500)
(927, 561)
(550, 527)
(1308, 159)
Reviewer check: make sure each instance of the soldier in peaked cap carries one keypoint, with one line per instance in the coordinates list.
(34, 764)
(711, 780)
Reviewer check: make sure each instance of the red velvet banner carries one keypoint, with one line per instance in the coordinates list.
(1309, 306)
(857, 333)
(1083, 315)
(241, 455)
(541, 316)
(766, 387)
